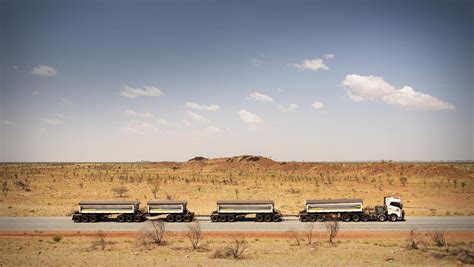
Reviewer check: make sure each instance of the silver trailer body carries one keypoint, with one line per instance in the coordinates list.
(109, 207)
(167, 206)
(245, 206)
(333, 205)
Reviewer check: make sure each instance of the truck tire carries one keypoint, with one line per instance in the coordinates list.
(170, 218)
(178, 218)
(187, 218)
(355, 218)
(223, 218)
(365, 218)
(137, 218)
(76, 218)
(214, 218)
(346, 217)
(320, 218)
(259, 218)
(313, 218)
(381, 218)
(393, 217)
(268, 218)
(120, 218)
(129, 218)
(93, 218)
(276, 218)
(304, 218)
(231, 218)
(84, 218)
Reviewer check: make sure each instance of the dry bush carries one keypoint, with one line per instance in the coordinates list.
(438, 238)
(412, 240)
(155, 190)
(57, 238)
(99, 240)
(194, 234)
(23, 185)
(309, 232)
(153, 233)
(296, 236)
(236, 250)
(120, 190)
(5, 188)
(332, 227)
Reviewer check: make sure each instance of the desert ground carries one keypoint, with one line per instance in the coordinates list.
(41, 189)
(56, 249)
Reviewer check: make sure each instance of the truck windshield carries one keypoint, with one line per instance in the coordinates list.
(396, 204)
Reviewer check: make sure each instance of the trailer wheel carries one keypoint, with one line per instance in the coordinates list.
(93, 218)
(170, 218)
(393, 218)
(137, 218)
(76, 218)
(259, 218)
(365, 218)
(214, 218)
(381, 218)
(320, 218)
(276, 218)
(223, 218)
(346, 217)
(355, 218)
(178, 218)
(313, 218)
(187, 218)
(120, 218)
(129, 218)
(84, 218)
(303, 218)
(268, 218)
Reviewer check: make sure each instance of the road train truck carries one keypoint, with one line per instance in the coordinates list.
(351, 210)
(232, 210)
(175, 210)
(97, 210)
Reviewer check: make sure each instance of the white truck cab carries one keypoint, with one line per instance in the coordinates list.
(394, 208)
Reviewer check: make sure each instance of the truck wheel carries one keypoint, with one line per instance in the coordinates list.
(137, 218)
(76, 218)
(231, 218)
(170, 218)
(214, 218)
(187, 218)
(365, 218)
(259, 218)
(303, 218)
(393, 217)
(276, 218)
(313, 218)
(346, 217)
(381, 218)
(129, 218)
(320, 218)
(84, 218)
(355, 218)
(93, 218)
(223, 218)
(178, 218)
(120, 218)
(268, 218)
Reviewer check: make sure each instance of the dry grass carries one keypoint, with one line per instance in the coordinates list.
(55, 189)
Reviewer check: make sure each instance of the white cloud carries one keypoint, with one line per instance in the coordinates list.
(7, 122)
(329, 56)
(15, 67)
(138, 127)
(312, 64)
(360, 88)
(197, 106)
(61, 115)
(261, 97)
(212, 129)
(290, 108)
(249, 118)
(52, 121)
(41, 131)
(44, 71)
(198, 118)
(145, 115)
(318, 105)
(65, 101)
(147, 90)
(280, 90)
(162, 121)
(35, 93)
(186, 123)
(256, 62)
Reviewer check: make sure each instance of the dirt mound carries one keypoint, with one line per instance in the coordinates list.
(235, 163)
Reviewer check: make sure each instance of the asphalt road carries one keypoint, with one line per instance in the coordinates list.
(444, 223)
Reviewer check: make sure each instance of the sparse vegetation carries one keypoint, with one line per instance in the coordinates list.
(57, 238)
(99, 241)
(236, 250)
(309, 232)
(332, 228)
(412, 240)
(194, 234)
(438, 238)
(120, 190)
(295, 236)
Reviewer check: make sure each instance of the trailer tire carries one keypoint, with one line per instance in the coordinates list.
(231, 218)
(382, 218)
(137, 218)
(84, 218)
(178, 218)
(346, 217)
(303, 218)
(365, 218)
(355, 218)
(321, 218)
(223, 218)
(93, 218)
(276, 218)
(187, 218)
(268, 218)
(259, 218)
(129, 218)
(121, 218)
(313, 218)
(170, 218)
(393, 217)
(214, 218)
(76, 218)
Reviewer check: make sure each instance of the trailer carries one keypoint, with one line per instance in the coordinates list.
(175, 210)
(319, 210)
(97, 210)
(232, 210)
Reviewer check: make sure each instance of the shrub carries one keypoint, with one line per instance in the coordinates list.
(57, 238)
(120, 190)
(332, 227)
(412, 240)
(236, 250)
(438, 239)
(194, 234)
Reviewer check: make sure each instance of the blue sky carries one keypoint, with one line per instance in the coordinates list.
(291, 80)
